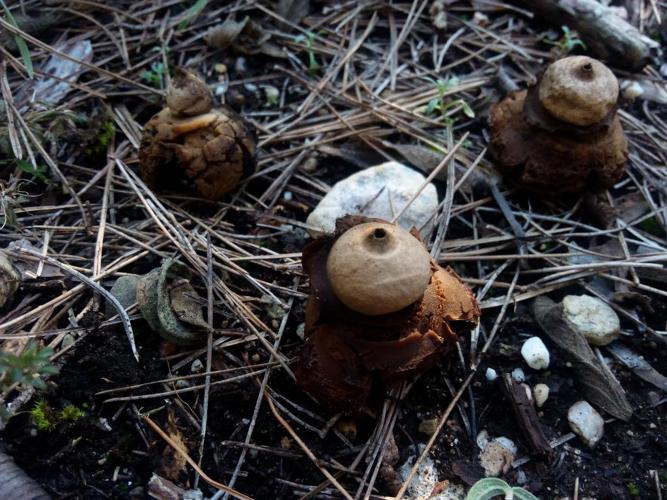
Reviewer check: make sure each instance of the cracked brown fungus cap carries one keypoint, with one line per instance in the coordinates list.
(190, 146)
(562, 136)
(397, 316)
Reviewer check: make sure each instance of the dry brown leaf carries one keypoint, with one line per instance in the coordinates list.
(223, 35)
(9, 279)
(597, 382)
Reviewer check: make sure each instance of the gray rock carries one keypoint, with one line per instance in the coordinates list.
(586, 422)
(591, 317)
(380, 191)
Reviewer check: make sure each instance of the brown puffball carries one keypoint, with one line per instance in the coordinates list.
(190, 146)
(348, 356)
(561, 136)
(578, 90)
(377, 268)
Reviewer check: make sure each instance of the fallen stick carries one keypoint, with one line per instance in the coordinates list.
(606, 35)
(526, 417)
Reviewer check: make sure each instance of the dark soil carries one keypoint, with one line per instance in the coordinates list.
(83, 460)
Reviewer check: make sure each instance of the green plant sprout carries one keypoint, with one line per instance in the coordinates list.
(38, 172)
(193, 12)
(567, 42)
(307, 41)
(20, 42)
(490, 487)
(25, 369)
(442, 105)
(154, 75)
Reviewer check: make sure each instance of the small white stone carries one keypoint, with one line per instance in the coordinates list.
(518, 375)
(380, 191)
(593, 318)
(424, 480)
(540, 394)
(507, 443)
(301, 331)
(535, 353)
(197, 366)
(272, 94)
(521, 477)
(497, 457)
(491, 374)
(482, 439)
(586, 422)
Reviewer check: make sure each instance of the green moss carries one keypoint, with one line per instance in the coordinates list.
(71, 414)
(633, 491)
(100, 141)
(47, 418)
(42, 415)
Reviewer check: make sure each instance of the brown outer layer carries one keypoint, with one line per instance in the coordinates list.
(212, 158)
(346, 353)
(555, 162)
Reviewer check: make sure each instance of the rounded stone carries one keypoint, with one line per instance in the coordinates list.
(593, 318)
(586, 423)
(540, 394)
(379, 192)
(535, 353)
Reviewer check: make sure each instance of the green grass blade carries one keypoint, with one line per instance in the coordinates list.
(20, 42)
(192, 13)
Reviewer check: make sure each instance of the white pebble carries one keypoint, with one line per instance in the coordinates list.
(424, 480)
(535, 353)
(482, 439)
(507, 443)
(586, 422)
(380, 191)
(491, 374)
(518, 375)
(593, 318)
(540, 394)
(497, 456)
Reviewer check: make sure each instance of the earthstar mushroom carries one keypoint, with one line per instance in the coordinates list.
(357, 344)
(192, 146)
(562, 136)
(377, 268)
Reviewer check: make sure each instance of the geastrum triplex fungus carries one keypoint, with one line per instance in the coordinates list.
(562, 136)
(379, 310)
(191, 146)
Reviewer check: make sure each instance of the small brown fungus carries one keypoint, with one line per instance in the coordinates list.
(378, 268)
(562, 136)
(190, 146)
(379, 310)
